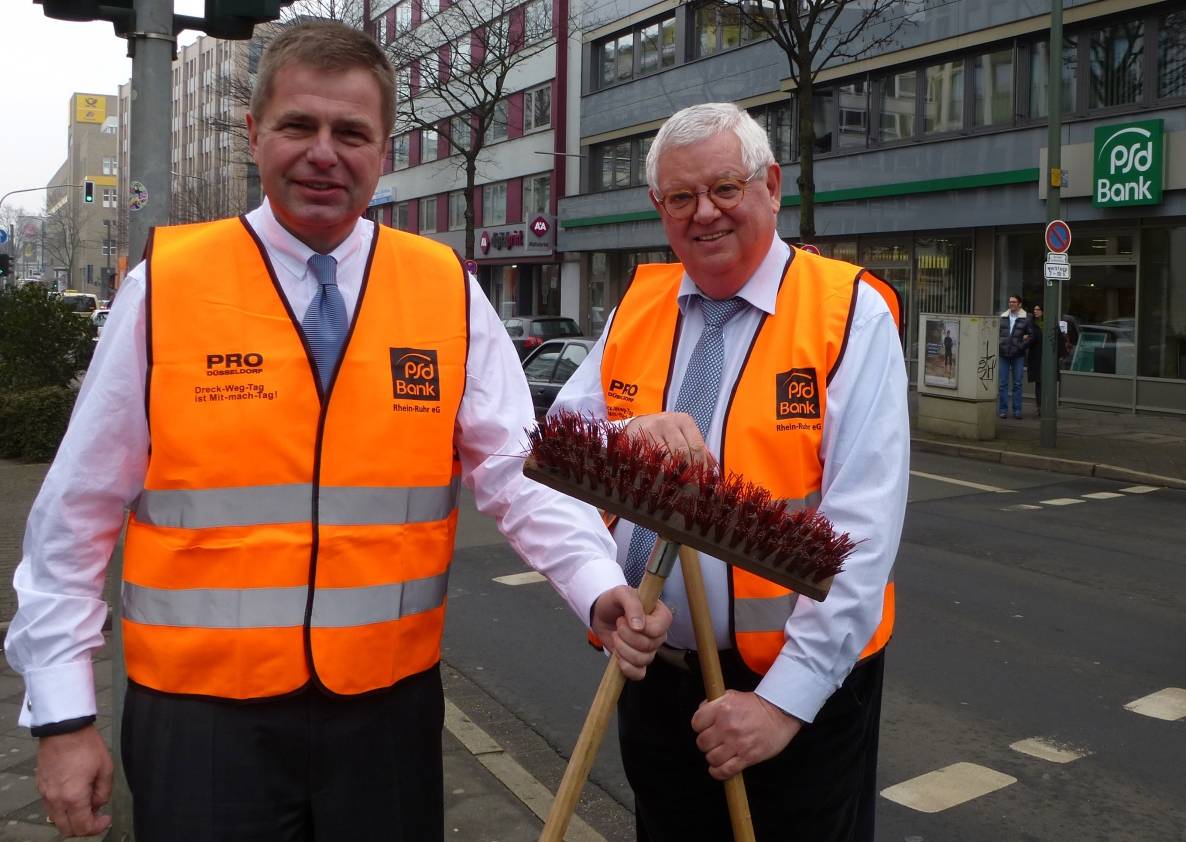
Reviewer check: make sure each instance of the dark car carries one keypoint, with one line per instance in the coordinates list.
(529, 332)
(549, 366)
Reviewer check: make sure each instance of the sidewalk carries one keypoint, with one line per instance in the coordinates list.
(489, 796)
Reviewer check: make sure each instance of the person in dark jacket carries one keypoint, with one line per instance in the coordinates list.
(1015, 336)
(1033, 354)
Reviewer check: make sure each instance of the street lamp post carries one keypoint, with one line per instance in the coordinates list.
(1048, 429)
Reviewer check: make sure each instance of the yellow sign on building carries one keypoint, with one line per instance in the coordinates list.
(90, 108)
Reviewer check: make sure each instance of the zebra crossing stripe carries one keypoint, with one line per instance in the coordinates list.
(948, 787)
(1046, 749)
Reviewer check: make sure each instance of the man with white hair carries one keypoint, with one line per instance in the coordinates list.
(786, 367)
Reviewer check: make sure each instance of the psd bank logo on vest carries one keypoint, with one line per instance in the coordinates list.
(796, 394)
(414, 374)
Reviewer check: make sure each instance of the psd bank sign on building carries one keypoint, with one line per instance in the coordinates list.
(1128, 164)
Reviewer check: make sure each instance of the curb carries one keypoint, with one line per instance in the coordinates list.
(1049, 463)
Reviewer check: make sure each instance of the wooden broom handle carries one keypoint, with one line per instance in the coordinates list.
(604, 702)
(714, 682)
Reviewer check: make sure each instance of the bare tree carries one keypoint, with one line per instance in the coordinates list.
(453, 74)
(815, 34)
(64, 228)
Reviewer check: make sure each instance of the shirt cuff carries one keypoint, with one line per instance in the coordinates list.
(795, 688)
(57, 693)
(590, 581)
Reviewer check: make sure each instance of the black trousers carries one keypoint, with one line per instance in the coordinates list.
(304, 768)
(821, 788)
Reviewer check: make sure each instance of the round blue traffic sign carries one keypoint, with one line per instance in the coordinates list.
(3, 236)
(1058, 236)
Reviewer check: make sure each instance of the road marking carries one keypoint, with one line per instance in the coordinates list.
(1102, 495)
(1062, 501)
(1168, 704)
(1021, 507)
(1141, 489)
(527, 578)
(947, 787)
(514, 777)
(963, 482)
(1045, 749)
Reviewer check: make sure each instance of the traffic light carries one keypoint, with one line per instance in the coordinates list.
(5, 264)
(88, 191)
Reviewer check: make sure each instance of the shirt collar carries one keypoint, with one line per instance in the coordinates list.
(760, 291)
(290, 252)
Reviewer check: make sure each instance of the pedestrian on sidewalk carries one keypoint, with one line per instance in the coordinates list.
(315, 388)
(1033, 354)
(701, 341)
(1015, 336)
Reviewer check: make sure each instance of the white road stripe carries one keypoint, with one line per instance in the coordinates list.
(528, 578)
(947, 787)
(1021, 507)
(1141, 489)
(514, 777)
(1062, 501)
(1168, 704)
(978, 486)
(1046, 749)
(1102, 495)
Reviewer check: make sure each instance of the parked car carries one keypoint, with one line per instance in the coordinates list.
(549, 366)
(82, 303)
(98, 319)
(528, 332)
(1106, 348)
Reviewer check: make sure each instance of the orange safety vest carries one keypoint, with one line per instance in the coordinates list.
(773, 424)
(284, 536)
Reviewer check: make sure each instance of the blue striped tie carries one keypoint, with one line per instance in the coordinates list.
(698, 397)
(324, 323)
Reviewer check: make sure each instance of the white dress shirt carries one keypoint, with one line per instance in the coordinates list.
(865, 452)
(100, 468)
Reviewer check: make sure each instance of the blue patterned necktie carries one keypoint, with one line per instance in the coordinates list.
(324, 323)
(698, 397)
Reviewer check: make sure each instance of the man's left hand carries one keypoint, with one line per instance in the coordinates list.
(634, 636)
(741, 729)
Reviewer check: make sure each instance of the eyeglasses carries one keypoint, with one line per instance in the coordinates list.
(725, 193)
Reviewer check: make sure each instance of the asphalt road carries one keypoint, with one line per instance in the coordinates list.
(1026, 624)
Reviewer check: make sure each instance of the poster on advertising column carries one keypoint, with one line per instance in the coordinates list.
(942, 354)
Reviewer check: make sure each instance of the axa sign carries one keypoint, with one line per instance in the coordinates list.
(1129, 164)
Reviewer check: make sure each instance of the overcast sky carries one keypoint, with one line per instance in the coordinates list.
(44, 61)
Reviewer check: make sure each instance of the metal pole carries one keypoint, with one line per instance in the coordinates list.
(150, 44)
(1053, 298)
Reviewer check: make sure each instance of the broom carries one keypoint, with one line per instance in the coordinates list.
(686, 503)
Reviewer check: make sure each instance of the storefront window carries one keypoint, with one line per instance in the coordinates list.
(1100, 301)
(944, 274)
(889, 259)
(1162, 349)
(1020, 258)
(845, 250)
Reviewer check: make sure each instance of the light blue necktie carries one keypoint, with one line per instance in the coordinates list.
(698, 397)
(324, 323)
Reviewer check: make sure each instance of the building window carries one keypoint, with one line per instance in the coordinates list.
(429, 71)
(109, 197)
(1171, 56)
(944, 97)
(400, 217)
(497, 130)
(1162, 349)
(109, 166)
(428, 8)
(456, 210)
(721, 27)
(776, 120)
(537, 108)
(1040, 76)
(639, 51)
(538, 20)
(399, 151)
(537, 191)
(1116, 65)
(403, 83)
(494, 204)
(852, 121)
(403, 17)
(461, 54)
(899, 95)
(428, 215)
(992, 89)
(461, 132)
(824, 116)
(429, 145)
(612, 167)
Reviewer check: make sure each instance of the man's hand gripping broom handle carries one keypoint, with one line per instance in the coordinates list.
(659, 567)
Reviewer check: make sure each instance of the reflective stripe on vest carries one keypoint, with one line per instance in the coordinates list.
(258, 608)
(263, 487)
(251, 505)
(776, 447)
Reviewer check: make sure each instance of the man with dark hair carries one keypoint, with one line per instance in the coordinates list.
(1016, 334)
(292, 523)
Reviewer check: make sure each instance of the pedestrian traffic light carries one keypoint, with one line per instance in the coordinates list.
(88, 191)
(5, 264)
